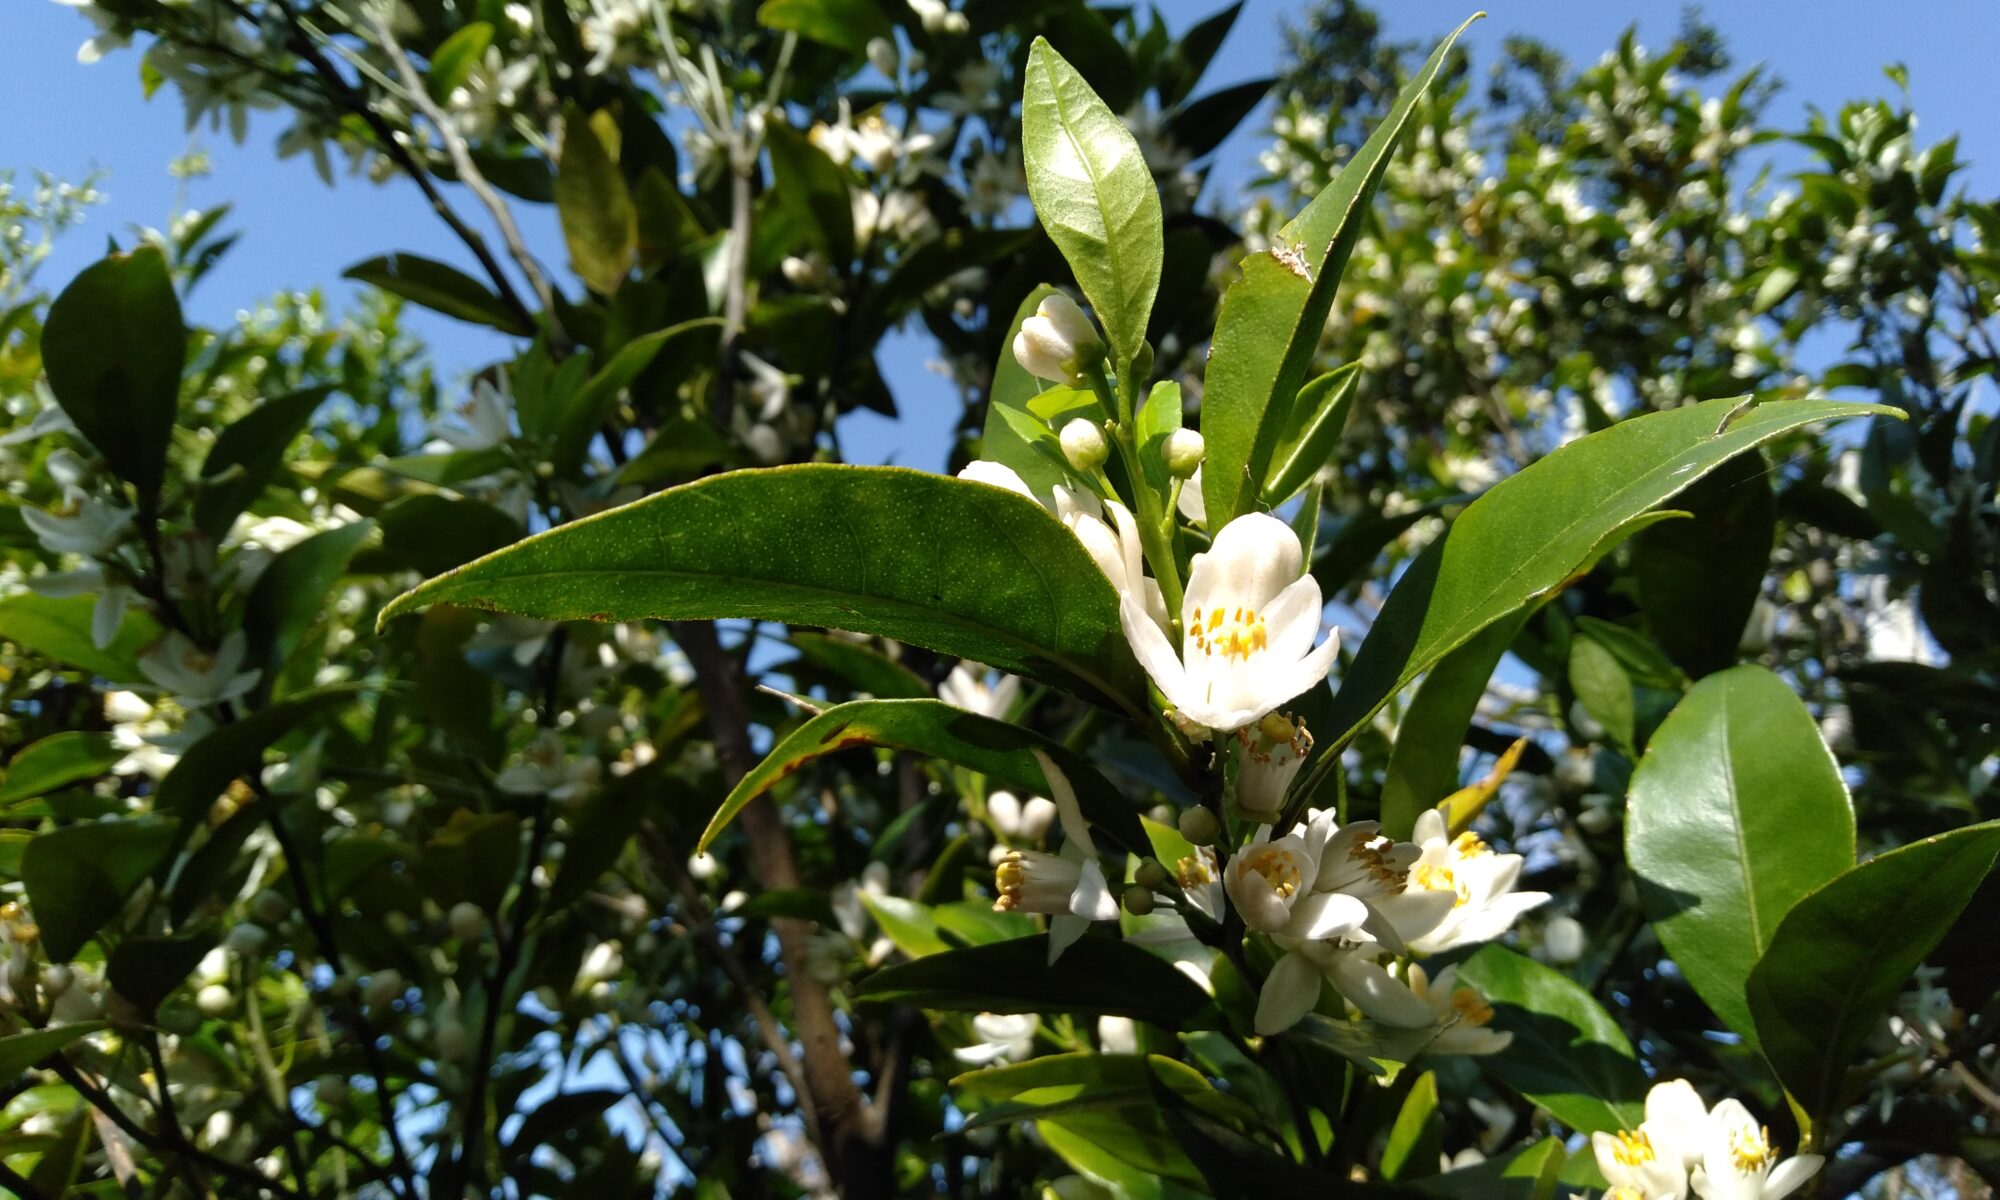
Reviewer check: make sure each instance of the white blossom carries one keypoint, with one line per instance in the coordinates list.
(1485, 904)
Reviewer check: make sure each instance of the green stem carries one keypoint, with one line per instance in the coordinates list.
(1154, 532)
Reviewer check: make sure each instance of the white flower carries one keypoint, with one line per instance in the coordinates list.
(1249, 619)
(1191, 504)
(83, 525)
(993, 184)
(1486, 903)
(482, 418)
(1739, 1162)
(1273, 750)
(194, 676)
(113, 594)
(1018, 821)
(1009, 1037)
(545, 770)
(1070, 888)
(1270, 877)
(1562, 940)
(976, 89)
(938, 18)
(1460, 1014)
(609, 23)
(967, 688)
(1117, 1035)
(768, 389)
(1058, 342)
(112, 31)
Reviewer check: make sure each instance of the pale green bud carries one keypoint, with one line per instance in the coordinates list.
(1199, 826)
(1184, 451)
(1083, 445)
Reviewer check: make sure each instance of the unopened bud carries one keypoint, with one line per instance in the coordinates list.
(1183, 452)
(1083, 445)
(468, 921)
(384, 987)
(1199, 826)
(1058, 342)
(270, 906)
(56, 979)
(1137, 900)
(1151, 875)
(215, 1000)
(246, 940)
(882, 55)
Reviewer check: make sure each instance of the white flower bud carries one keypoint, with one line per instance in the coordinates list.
(882, 55)
(703, 866)
(1183, 452)
(1562, 940)
(1058, 342)
(56, 979)
(214, 1000)
(245, 940)
(1083, 445)
(467, 920)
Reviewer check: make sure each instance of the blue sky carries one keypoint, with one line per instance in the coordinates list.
(299, 233)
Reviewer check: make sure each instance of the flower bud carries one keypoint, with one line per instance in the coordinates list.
(384, 987)
(882, 55)
(215, 1000)
(1137, 900)
(1058, 342)
(246, 940)
(1199, 826)
(1151, 875)
(467, 920)
(1083, 445)
(1183, 452)
(1562, 940)
(56, 979)
(270, 906)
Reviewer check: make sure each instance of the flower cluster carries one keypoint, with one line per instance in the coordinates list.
(1721, 1153)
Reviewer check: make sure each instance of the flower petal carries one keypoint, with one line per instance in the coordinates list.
(1092, 900)
(1289, 993)
(1377, 993)
(1788, 1175)
(1154, 652)
(1063, 932)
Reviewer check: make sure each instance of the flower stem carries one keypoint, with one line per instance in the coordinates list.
(1154, 533)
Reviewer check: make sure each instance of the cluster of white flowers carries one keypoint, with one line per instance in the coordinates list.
(1683, 1147)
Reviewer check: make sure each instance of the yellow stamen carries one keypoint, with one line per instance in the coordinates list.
(1009, 877)
(1468, 845)
(1235, 633)
(1634, 1148)
(1750, 1149)
(1471, 1007)
(1277, 867)
(1375, 864)
(1193, 871)
(1434, 878)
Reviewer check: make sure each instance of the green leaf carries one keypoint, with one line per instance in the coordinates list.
(1157, 421)
(1094, 194)
(1097, 975)
(1271, 319)
(245, 455)
(1417, 1137)
(960, 567)
(472, 857)
(813, 189)
(599, 223)
(1529, 1174)
(56, 762)
(20, 1051)
(114, 346)
(454, 60)
(234, 750)
(1736, 812)
(843, 24)
(59, 628)
(1082, 1069)
(1568, 1055)
(1604, 689)
(146, 968)
(1520, 542)
(869, 670)
(1698, 579)
(906, 923)
(291, 593)
(1423, 764)
(1015, 436)
(592, 405)
(1312, 428)
(996, 749)
(78, 877)
(433, 533)
(1845, 951)
(439, 287)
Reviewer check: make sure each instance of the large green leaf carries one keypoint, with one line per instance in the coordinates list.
(79, 876)
(599, 223)
(1528, 1174)
(1312, 427)
(1604, 689)
(1843, 953)
(56, 762)
(291, 593)
(1271, 319)
(23, 1050)
(146, 968)
(1521, 541)
(1698, 579)
(245, 456)
(813, 189)
(59, 627)
(1097, 975)
(1423, 764)
(114, 346)
(1001, 751)
(1567, 1055)
(1094, 194)
(439, 287)
(960, 567)
(843, 24)
(1735, 813)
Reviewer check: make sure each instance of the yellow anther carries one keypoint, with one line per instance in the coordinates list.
(1192, 871)
(1434, 878)
(1634, 1148)
(1468, 845)
(1277, 867)
(1009, 877)
(1750, 1149)
(1471, 1007)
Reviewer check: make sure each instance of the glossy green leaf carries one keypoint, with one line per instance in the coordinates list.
(1698, 579)
(1097, 975)
(1080, 1069)
(1521, 541)
(20, 1051)
(1423, 764)
(455, 58)
(906, 923)
(1416, 1138)
(599, 223)
(963, 568)
(245, 456)
(868, 669)
(1015, 435)
(1529, 1174)
(1312, 428)
(432, 533)
(1272, 317)
(1094, 194)
(591, 405)
(291, 593)
(146, 968)
(57, 761)
(813, 189)
(1568, 1055)
(1001, 751)
(1844, 952)
(439, 287)
(113, 347)
(843, 24)
(1604, 689)
(79, 876)
(1736, 812)
(59, 627)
